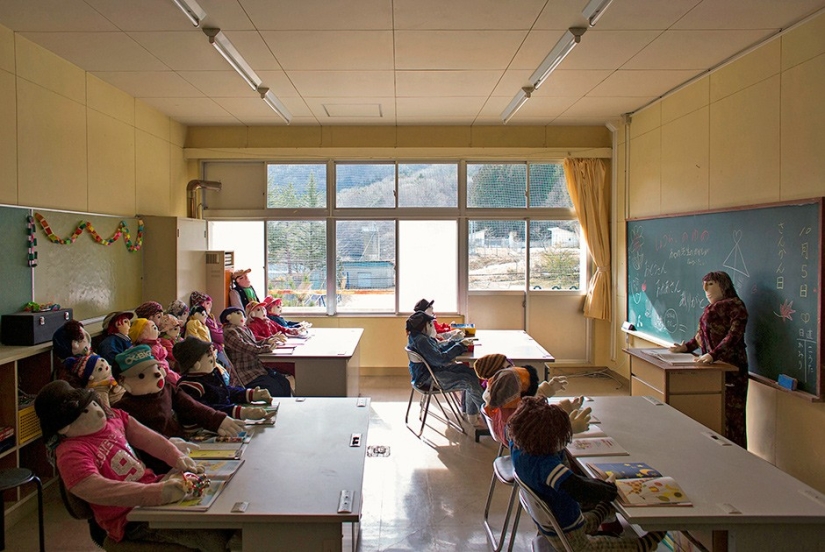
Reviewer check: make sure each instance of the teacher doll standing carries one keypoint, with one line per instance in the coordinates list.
(721, 336)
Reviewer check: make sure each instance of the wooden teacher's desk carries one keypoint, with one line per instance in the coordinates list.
(326, 365)
(292, 478)
(696, 390)
(760, 507)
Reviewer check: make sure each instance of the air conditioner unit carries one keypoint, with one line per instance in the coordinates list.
(219, 267)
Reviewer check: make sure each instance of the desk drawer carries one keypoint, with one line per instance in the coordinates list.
(650, 374)
(638, 388)
(695, 382)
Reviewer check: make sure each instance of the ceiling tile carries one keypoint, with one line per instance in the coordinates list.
(319, 107)
(693, 49)
(187, 107)
(146, 15)
(320, 14)
(605, 107)
(641, 83)
(597, 49)
(560, 82)
(252, 107)
(755, 14)
(99, 51)
(150, 84)
(446, 83)
(344, 83)
(51, 16)
(220, 84)
(465, 14)
(468, 50)
(448, 107)
(630, 15)
(547, 107)
(331, 50)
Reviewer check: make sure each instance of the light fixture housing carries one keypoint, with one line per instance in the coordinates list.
(594, 10)
(233, 57)
(273, 102)
(563, 47)
(192, 10)
(518, 100)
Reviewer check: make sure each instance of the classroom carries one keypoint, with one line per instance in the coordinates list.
(87, 137)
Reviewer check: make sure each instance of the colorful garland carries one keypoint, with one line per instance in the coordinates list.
(31, 256)
(122, 230)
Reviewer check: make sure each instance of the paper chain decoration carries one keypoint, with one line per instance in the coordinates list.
(122, 229)
(32, 241)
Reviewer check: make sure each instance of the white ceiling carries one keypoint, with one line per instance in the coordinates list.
(387, 62)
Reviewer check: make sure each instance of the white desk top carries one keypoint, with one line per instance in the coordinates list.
(294, 470)
(323, 343)
(711, 474)
(517, 345)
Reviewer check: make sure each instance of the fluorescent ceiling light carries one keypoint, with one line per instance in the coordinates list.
(564, 46)
(231, 55)
(192, 10)
(594, 10)
(272, 101)
(519, 100)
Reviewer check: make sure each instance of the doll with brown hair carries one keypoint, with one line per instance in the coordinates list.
(197, 298)
(116, 326)
(93, 372)
(241, 291)
(94, 453)
(169, 335)
(539, 433)
(71, 339)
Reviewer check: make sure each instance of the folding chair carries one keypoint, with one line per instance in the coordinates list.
(502, 471)
(432, 391)
(541, 513)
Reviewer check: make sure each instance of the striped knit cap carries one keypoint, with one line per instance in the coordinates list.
(488, 365)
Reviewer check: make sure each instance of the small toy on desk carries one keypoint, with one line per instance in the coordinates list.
(787, 382)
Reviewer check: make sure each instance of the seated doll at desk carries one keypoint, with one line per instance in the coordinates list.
(274, 311)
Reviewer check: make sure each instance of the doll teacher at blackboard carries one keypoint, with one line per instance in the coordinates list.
(721, 336)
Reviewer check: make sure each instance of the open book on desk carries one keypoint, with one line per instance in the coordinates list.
(191, 503)
(623, 470)
(677, 359)
(651, 491)
(595, 446)
(220, 470)
(218, 451)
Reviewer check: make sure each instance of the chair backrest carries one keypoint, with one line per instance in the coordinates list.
(77, 507)
(417, 358)
(541, 513)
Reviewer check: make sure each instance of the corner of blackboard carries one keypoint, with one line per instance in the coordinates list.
(775, 385)
(628, 327)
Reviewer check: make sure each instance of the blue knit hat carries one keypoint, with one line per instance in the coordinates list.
(81, 367)
(139, 356)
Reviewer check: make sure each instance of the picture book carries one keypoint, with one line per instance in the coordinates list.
(595, 446)
(624, 470)
(191, 503)
(218, 451)
(592, 431)
(269, 419)
(209, 437)
(652, 491)
(220, 470)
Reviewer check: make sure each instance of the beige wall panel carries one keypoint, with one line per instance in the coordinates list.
(504, 136)
(645, 175)
(151, 120)
(685, 163)
(6, 49)
(153, 196)
(572, 136)
(803, 139)
(747, 71)
(51, 149)
(359, 136)
(556, 322)
(244, 185)
(801, 422)
(646, 120)
(8, 138)
(803, 43)
(261, 137)
(744, 146)
(217, 137)
(762, 421)
(687, 100)
(382, 344)
(178, 178)
(446, 136)
(620, 133)
(111, 165)
(54, 73)
(177, 133)
(495, 311)
(107, 99)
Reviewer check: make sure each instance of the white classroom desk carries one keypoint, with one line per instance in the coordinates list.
(517, 345)
(327, 364)
(778, 512)
(292, 477)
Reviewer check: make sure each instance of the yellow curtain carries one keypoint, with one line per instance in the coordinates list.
(587, 185)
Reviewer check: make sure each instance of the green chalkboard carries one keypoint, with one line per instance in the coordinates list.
(772, 252)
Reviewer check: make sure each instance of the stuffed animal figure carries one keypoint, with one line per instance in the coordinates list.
(71, 339)
(262, 327)
(162, 407)
(196, 324)
(274, 311)
(145, 332)
(241, 291)
(93, 372)
(204, 382)
(150, 310)
(243, 349)
(94, 453)
(116, 325)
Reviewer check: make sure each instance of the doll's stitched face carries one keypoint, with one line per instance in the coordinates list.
(429, 329)
(243, 281)
(157, 318)
(83, 346)
(206, 363)
(123, 326)
(236, 318)
(199, 316)
(276, 309)
(429, 311)
(173, 332)
(208, 306)
(257, 312)
(150, 332)
(144, 381)
(91, 420)
(101, 372)
(713, 291)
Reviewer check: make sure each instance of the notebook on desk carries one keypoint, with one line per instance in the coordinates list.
(677, 359)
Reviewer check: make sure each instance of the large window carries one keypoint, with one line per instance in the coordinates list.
(375, 237)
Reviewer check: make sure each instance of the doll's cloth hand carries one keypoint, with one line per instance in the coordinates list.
(230, 427)
(678, 348)
(550, 388)
(186, 464)
(580, 420)
(466, 342)
(184, 446)
(570, 405)
(252, 413)
(259, 394)
(174, 489)
(705, 359)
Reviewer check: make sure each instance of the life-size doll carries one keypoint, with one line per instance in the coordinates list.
(93, 372)
(241, 291)
(169, 335)
(274, 311)
(150, 310)
(196, 324)
(442, 332)
(261, 326)
(94, 453)
(145, 332)
(196, 298)
(116, 326)
(204, 382)
(71, 339)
